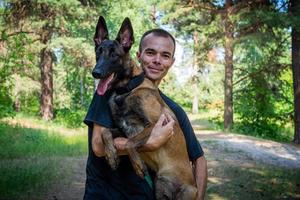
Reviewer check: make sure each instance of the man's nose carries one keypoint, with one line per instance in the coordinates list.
(157, 59)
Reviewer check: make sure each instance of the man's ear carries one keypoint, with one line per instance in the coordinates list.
(125, 35)
(101, 32)
(138, 56)
(173, 60)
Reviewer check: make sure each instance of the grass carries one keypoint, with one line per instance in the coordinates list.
(212, 120)
(233, 175)
(262, 182)
(32, 158)
(202, 120)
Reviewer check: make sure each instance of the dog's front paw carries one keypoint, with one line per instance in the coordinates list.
(112, 156)
(110, 149)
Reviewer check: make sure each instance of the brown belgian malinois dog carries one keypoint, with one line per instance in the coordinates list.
(135, 110)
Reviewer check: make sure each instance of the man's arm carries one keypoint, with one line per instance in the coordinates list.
(160, 134)
(200, 174)
(97, 143)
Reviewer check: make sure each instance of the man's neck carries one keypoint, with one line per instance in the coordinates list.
(156, 82)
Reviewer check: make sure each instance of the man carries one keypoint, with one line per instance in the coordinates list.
(156, 56)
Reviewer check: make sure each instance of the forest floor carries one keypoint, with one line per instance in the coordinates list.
(239, 167)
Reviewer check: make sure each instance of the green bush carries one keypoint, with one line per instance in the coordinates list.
(264, 129)
(70, 118)
(6, 105)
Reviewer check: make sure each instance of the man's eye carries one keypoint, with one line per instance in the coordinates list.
(149, 53)
(166, 56)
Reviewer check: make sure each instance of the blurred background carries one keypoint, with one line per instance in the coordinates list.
(237, 70)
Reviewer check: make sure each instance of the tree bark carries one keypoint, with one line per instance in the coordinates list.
(195, 106)
(295, 9)
(46, 84)
(228, 102)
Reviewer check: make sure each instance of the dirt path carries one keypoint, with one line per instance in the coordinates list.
(265, 151)
(220, 149)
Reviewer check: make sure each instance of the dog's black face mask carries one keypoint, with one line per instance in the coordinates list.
(110, 54)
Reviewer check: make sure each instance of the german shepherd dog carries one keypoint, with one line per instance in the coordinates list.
(135, 110)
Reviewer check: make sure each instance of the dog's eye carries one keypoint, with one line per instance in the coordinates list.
(113, 53)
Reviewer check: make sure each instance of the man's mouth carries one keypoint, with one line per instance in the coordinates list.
(155, 70)
(104, 84)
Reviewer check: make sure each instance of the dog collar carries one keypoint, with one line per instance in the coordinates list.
(133, 83)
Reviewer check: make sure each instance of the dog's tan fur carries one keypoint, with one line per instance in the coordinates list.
(171, 160)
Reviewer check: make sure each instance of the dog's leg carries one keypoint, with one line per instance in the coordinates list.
(141, 138)
(187, 192)
(166, 187)
(134, 143)
(137, 163)
(110, 150)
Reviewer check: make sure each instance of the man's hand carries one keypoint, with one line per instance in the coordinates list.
(160, 134)
(120, 143)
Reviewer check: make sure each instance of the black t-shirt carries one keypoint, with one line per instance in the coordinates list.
(122, 183)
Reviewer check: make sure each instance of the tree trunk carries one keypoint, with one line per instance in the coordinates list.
(295, 9)
(17, 102)
(46, 84)
(195, 106)
(228, 103)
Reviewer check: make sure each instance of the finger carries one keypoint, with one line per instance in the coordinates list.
(161, 119)
(169, 116)
(171, 120)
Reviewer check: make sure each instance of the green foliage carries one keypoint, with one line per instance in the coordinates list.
(181, 94)
(6, 105)
(71, 118)
(263, 89)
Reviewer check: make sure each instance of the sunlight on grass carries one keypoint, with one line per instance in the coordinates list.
(35, 123)
(214, 196)
(201, 121)
(31, 154)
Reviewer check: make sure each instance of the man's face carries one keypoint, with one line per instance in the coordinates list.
(156, 56)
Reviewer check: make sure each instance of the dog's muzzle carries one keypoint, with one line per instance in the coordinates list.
(97, 74)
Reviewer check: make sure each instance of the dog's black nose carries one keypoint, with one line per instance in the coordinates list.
(96, 74)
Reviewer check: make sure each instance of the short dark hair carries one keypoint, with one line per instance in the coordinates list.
(157, 32)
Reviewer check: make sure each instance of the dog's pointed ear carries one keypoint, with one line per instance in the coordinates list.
(125, 36)
(101, 32)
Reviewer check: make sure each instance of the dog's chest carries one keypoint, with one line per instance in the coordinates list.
(127, 114)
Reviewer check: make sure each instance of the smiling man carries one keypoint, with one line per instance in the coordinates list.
(156, 56)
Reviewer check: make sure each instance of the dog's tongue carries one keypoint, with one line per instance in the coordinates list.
(103, 85)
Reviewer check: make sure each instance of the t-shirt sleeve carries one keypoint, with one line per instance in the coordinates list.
(99, 112)
(193, 146)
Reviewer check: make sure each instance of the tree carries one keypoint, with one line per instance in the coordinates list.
(43, 22)
(196, 26)
(228, 86)
(295, 10)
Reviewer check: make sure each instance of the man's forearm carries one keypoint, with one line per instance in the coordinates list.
(200, 173)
